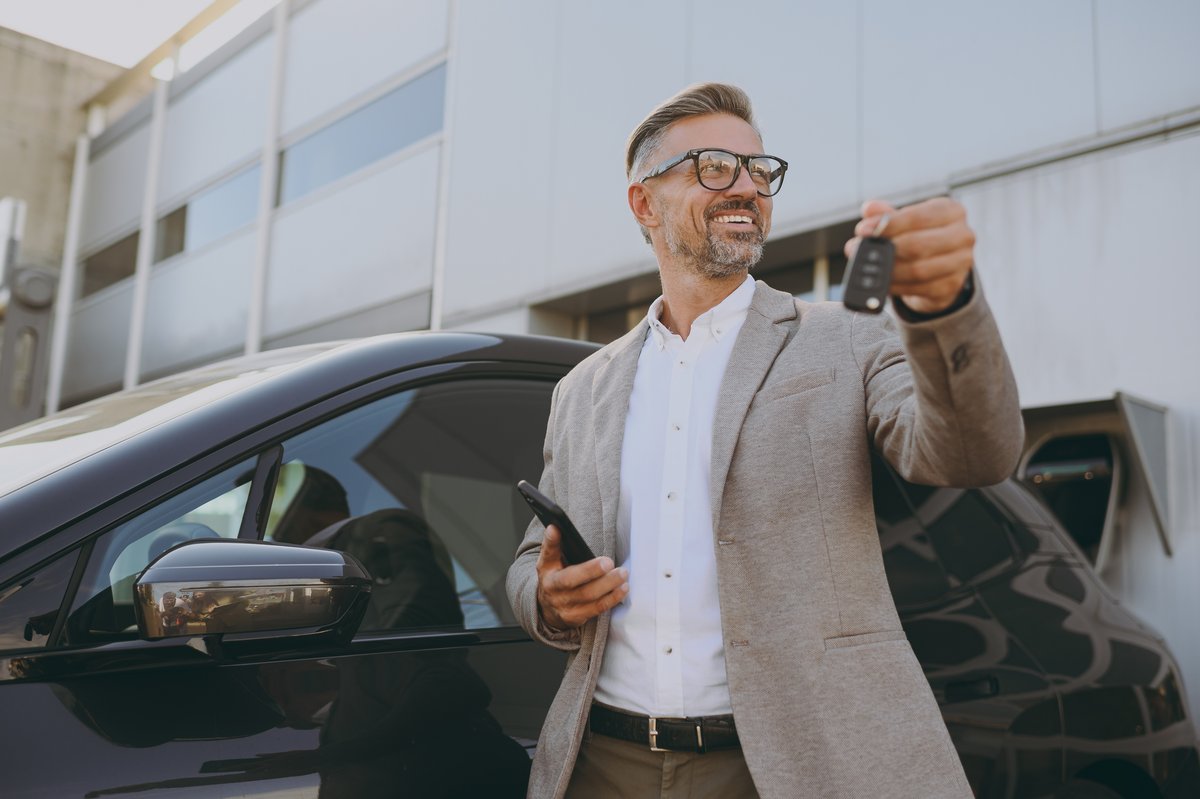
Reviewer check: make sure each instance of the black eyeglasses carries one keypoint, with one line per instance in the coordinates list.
(717, 170)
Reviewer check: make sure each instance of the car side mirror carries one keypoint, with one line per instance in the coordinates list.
(251, 590)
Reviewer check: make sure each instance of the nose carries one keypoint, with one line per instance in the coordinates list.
(743, 186)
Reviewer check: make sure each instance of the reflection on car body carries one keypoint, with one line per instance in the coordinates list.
(398, 456)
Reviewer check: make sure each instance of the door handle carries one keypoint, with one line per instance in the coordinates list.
(968, 690)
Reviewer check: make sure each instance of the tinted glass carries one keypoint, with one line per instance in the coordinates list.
(421, 488)
(103, 606)
(210, 215)
(394, 121)
(29, 607)
(969, 536)
(112, 264)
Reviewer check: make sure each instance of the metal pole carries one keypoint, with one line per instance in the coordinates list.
(269, 178)
(145, 252)
(68, 275)
(437, 292)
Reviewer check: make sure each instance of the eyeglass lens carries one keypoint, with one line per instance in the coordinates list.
(718, 170)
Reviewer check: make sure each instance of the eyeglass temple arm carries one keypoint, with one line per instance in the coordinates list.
(658, 170)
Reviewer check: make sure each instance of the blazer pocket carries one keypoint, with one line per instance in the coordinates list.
(844, 641)
(813, 378)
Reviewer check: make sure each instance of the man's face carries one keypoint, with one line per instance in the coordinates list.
(717, 233)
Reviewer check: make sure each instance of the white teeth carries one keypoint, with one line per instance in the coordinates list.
(732, 219)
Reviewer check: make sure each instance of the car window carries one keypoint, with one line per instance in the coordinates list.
(103, 606)
(29, 606)
(420, 487)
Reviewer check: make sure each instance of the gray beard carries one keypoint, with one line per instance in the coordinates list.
(719, 257)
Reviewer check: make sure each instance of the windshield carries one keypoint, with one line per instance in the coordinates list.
(41, 447)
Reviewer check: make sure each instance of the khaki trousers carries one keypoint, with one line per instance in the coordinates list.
(609, 768)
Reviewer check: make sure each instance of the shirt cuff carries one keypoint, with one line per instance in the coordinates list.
(964, 297)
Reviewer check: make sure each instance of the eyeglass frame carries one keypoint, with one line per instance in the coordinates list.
(694, 155)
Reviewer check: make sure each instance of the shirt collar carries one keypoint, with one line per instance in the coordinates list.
(716, 321)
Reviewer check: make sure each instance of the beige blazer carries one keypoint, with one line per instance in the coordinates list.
(828, 698)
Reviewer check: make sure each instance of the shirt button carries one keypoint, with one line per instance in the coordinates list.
(668, 650)
(671, 495)
(675, 427)
(667, 575)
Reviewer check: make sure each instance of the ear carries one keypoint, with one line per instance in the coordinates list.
(642, 207)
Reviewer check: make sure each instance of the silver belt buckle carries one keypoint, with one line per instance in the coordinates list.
(654, 736)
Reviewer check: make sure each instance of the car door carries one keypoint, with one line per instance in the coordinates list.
(945, 551)
(439, 694)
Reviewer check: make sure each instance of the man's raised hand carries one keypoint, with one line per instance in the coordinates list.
(568, 596)
(935, 249)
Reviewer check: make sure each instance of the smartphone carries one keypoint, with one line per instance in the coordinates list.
(574, 548)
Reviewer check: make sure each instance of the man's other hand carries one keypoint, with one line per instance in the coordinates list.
(935, 249)
(568, 596)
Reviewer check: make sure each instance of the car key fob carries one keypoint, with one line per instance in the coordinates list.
(869, 275)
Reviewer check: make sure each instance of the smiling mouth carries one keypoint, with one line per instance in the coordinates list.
(734, 219)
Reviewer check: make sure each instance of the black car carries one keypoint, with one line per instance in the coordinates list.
(283, 575)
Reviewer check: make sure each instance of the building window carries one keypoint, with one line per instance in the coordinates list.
(112, 264)
(384, 126)
(210, 215)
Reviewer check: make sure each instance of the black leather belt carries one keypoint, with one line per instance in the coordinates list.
(694, 734)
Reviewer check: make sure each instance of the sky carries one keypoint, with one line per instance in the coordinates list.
(124, 31)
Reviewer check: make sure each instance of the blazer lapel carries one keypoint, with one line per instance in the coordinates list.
(611, 388)
(758, 343)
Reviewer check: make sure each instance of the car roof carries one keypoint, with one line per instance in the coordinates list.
(179, 418)
(43, 446)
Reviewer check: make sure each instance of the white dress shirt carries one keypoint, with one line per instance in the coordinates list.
(665, 654)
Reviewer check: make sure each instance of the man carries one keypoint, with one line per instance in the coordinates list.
(717, 458)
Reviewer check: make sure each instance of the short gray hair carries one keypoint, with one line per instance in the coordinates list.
(697, 100)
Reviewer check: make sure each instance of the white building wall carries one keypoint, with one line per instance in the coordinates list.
(198, 304)
(965, 84)
(99, 332)
(1147, 59)
(353, 245)
(338, 49)
(112, 201)
(1092, 268)
(197, 147)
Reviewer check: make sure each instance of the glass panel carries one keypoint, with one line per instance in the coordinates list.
(103, 606)
(209, 215)
(394, 121)
(29, 607)
(112, 264)
(421, 488)
(170, 233)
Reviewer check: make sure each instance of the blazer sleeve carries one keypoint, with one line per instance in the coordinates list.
(941, 399)
(522, 575)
